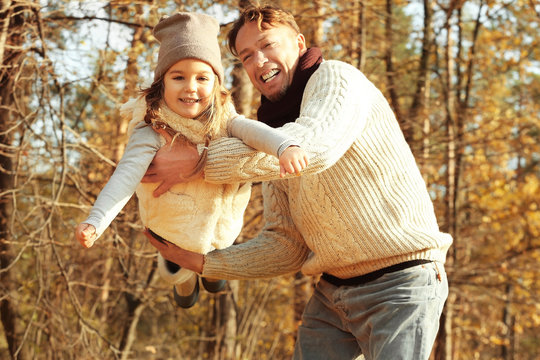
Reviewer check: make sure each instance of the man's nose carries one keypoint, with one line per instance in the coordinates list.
(260, 58)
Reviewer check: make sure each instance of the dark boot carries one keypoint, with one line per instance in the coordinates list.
(214, 286)
(189, 300)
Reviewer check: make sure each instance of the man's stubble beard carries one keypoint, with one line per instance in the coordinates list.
(280, 95)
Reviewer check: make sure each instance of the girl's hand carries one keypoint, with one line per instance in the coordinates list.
(86, 234)
(292, 161)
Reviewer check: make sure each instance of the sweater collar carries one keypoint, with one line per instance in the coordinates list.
(278, 113)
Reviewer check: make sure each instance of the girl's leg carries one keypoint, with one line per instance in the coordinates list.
(185, 282)
(186, 293)
(172, 273)
(213, 285)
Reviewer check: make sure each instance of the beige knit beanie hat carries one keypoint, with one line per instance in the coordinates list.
(188, 35)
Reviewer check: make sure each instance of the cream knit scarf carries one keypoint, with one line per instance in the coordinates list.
(191, 129)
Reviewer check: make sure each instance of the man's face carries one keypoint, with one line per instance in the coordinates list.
(270, 57)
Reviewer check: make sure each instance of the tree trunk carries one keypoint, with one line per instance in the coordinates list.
(507, 320)
(242, 91)
(418, 113)
(318, 29)
(8, 314)
(391, 74)
(443, 351)
(362, 36)
(131, 76)
(358, 38)
(224, 347)
(134, 310)
(11, 24)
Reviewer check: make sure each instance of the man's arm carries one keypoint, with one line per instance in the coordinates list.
(279, 249)
(187, 259)
(335, 108)
(175, 159)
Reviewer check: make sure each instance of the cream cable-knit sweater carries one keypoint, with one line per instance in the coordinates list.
(359, 206)
(198, 216)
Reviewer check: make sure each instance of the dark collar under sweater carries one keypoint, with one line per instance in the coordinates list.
(278, 113)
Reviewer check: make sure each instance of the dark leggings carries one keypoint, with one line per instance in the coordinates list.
(172, 267)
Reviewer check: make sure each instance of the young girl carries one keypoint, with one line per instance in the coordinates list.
(188, 101)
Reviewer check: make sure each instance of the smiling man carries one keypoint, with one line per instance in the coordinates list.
(269, 56)
(360, 216)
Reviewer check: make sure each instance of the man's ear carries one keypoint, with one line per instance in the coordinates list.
(301, 41)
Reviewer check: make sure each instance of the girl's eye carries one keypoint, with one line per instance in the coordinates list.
(203, 78)
(178, 78)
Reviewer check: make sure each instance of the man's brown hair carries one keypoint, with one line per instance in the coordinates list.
(265, 16)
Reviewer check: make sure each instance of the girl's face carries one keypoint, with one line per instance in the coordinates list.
(188, 87)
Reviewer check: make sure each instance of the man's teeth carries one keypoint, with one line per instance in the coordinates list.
(269, 75)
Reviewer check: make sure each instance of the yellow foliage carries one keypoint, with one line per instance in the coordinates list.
(531, 185)
(536, 318)
(496, 340)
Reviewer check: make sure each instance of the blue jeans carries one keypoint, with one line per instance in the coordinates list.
(393, 317)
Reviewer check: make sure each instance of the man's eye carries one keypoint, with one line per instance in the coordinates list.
(246, 58)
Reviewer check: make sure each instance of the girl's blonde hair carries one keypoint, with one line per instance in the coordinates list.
(213, 117)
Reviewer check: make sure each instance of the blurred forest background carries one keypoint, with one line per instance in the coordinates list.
(463, 77)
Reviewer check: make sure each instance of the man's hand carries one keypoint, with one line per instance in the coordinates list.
(172, 164)
(184, 258)
(292, 161)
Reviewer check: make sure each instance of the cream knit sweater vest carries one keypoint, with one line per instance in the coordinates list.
(197, 216)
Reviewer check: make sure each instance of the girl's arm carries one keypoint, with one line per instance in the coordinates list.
(292, 159)
(140, 150)
(260, 136)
